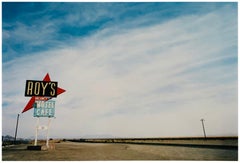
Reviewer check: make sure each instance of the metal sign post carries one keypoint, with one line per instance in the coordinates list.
(36, 133)
(203, 128)
(15, 137)
(49, 121)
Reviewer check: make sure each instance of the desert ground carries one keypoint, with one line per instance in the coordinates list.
(86, 151)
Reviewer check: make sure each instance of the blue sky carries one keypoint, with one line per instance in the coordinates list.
(38, 27)
(130, 69)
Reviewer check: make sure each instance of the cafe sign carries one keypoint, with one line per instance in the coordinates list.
(44, 108)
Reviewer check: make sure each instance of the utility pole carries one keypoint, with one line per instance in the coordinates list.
(15, 138)
(203, 128)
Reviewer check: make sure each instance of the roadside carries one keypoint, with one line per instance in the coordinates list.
(71, 151)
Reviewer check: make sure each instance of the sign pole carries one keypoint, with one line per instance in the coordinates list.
(15, 138)
(203, 129)
(36, 133)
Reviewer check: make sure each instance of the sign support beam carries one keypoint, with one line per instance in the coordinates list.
(47, 142)
(36, 133)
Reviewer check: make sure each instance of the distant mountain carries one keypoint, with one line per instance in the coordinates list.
(98, 136)
(7, 138)
(11, 138)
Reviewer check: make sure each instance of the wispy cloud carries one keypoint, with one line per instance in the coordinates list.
(154, 80)
(32, 27)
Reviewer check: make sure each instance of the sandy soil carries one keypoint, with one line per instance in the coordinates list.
(70, 151)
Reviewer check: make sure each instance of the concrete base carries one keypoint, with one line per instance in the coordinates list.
(34, 147)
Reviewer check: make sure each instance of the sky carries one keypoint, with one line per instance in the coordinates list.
(129, 69)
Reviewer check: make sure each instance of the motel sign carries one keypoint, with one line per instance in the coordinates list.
(44, 108)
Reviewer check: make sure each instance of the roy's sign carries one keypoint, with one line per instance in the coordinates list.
(45, 89)
(41, 88)
(44, 108)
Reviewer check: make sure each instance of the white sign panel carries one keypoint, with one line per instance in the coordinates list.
(44, 108)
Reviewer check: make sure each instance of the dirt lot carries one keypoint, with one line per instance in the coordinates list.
(71, 151)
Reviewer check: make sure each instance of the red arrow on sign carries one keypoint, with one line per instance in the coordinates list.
(32, 100)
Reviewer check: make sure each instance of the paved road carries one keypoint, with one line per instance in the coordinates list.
(70, 151)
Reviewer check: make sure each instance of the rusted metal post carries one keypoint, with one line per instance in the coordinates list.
(15, 137)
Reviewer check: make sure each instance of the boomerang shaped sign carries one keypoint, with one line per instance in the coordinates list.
(40, 89)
